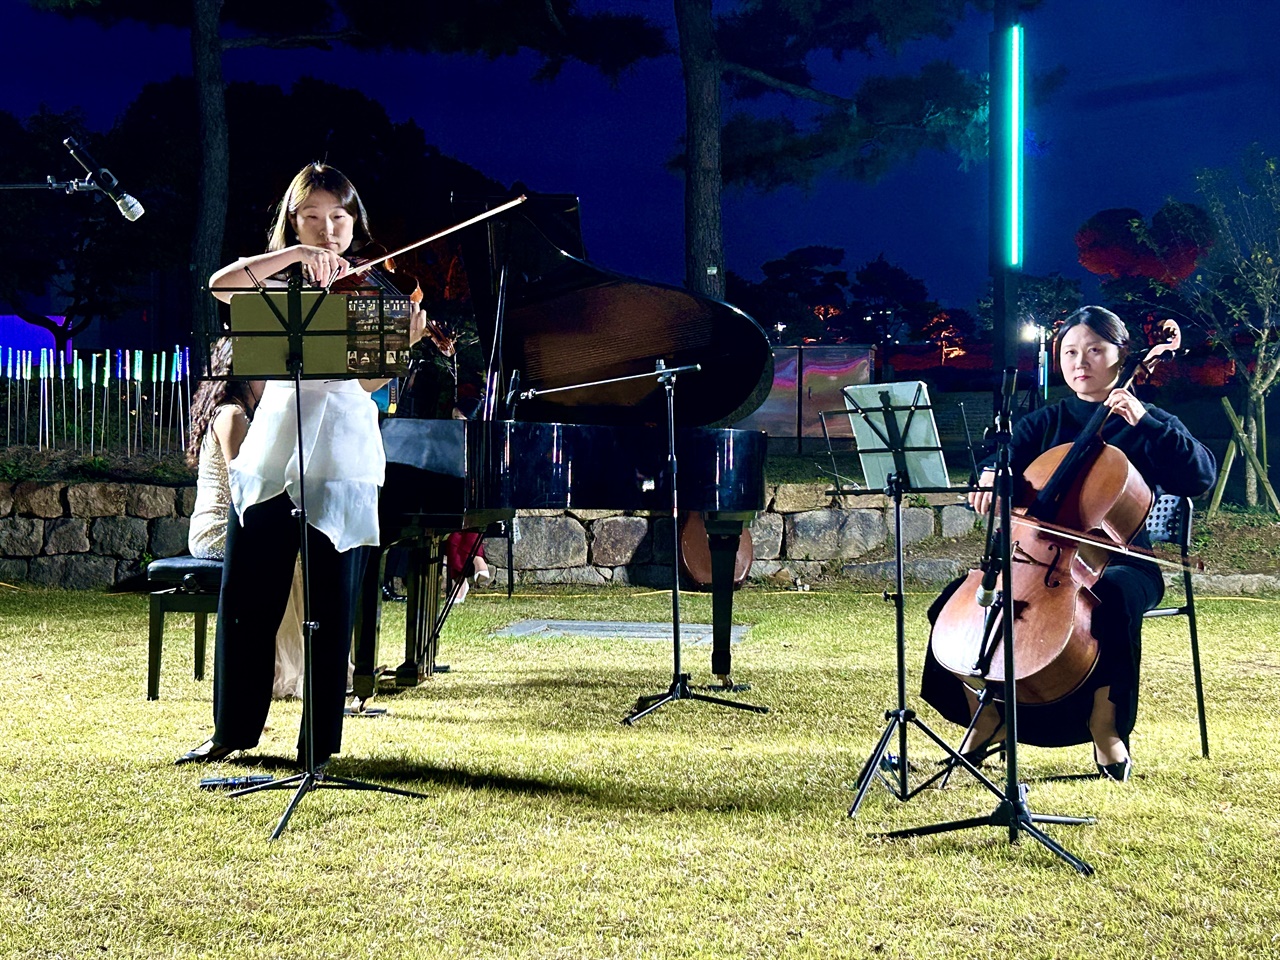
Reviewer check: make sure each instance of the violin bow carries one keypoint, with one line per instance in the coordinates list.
(478, 218)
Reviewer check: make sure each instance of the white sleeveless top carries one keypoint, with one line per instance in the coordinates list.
(343, 458)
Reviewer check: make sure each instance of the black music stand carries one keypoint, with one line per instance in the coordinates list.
(293, 325)
(679, 688)
(894, 451)
(1012, 811)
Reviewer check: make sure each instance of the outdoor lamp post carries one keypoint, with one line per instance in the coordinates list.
(1039, 335)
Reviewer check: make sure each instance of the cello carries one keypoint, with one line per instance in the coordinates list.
(1074, 505)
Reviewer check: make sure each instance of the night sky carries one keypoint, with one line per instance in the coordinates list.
(1157, 90)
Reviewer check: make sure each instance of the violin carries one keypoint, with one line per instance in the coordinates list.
(374, 269)
(1073, 506)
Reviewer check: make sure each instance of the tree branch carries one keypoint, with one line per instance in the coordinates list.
(795, 89)
(287, 43)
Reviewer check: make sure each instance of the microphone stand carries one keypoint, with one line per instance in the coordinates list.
(1012, 812)
(679, 688)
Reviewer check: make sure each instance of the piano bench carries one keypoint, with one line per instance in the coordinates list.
(180, 585)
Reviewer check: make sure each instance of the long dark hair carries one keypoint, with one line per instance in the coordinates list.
(312, 177)
(1101, 321)
(211, 394)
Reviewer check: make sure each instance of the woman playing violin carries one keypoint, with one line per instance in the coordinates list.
(319, 221)
(1092, 346)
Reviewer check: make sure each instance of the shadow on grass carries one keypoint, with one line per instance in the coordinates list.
(620, 793)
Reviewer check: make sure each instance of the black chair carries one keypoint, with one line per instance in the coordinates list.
(180, 585)
(1170, 522)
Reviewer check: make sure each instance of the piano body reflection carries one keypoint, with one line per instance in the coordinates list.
(561, 321)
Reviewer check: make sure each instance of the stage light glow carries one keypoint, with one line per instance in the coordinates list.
(1014, 253)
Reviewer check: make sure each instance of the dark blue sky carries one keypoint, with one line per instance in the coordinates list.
(1157, 90)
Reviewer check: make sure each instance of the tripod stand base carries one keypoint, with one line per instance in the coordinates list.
(1018, 819)
(680, 690)
(1016, 816)
(317, 780)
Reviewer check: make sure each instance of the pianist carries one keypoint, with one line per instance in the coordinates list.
(318, 221)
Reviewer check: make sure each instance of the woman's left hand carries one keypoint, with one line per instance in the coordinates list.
(420, 326)
(1125, 404)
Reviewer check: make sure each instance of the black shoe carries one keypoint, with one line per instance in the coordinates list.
(207, 752)
(978, 755)
(1119, 771)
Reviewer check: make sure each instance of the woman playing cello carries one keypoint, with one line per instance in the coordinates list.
(1092, 346)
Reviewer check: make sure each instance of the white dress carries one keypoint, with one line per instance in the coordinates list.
(344, 463)
(207, 535)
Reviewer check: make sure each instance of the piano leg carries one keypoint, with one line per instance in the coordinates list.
(723, 537)
(422, 614)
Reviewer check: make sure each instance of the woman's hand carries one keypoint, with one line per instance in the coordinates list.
(980, 499)
(420, 325)
(1128, 406)
(321, 266)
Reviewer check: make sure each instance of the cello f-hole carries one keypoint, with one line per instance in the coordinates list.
(1057, 555)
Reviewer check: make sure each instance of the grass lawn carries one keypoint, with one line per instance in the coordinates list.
(551, 830)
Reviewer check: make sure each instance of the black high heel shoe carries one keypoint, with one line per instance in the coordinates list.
(207, 752)
(1120, 771)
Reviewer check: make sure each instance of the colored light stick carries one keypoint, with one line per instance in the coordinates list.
(26, 396)
(93, 399)
(77, 378)
(137, 378)
(41, 425)
(62, 388)
(106, 385)
(8, 395)
(157, 412)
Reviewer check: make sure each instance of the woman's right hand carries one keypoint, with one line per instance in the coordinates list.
(980, 499)
(321, 266)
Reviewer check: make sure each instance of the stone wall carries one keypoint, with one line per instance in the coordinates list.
(88, 535)
(91, 535)
(804, 532)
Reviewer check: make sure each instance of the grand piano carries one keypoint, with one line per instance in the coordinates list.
(560, 321)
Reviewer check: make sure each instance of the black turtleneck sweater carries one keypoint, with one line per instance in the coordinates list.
(1159, 446)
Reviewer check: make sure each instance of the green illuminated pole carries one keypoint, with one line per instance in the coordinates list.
(1005, 152)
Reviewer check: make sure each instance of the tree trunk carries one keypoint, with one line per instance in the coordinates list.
(703, 234)
(211, 207)
(1250, 423)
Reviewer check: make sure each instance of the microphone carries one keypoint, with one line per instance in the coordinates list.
(1008, 387)
(986, 592)
(104, 180)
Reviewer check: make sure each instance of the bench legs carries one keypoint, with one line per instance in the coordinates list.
(171, 601)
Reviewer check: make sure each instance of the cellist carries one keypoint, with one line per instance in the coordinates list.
(1091, 349)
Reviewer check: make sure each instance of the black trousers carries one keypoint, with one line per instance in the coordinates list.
(256, 578)
(1125, 592)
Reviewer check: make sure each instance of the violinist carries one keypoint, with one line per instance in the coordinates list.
(1091, 349)
(319, 220)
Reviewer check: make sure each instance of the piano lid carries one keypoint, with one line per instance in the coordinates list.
(571, 322)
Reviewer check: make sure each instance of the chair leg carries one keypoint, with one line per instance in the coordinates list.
(1195, 669)
(202, 627)
(154, 639)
